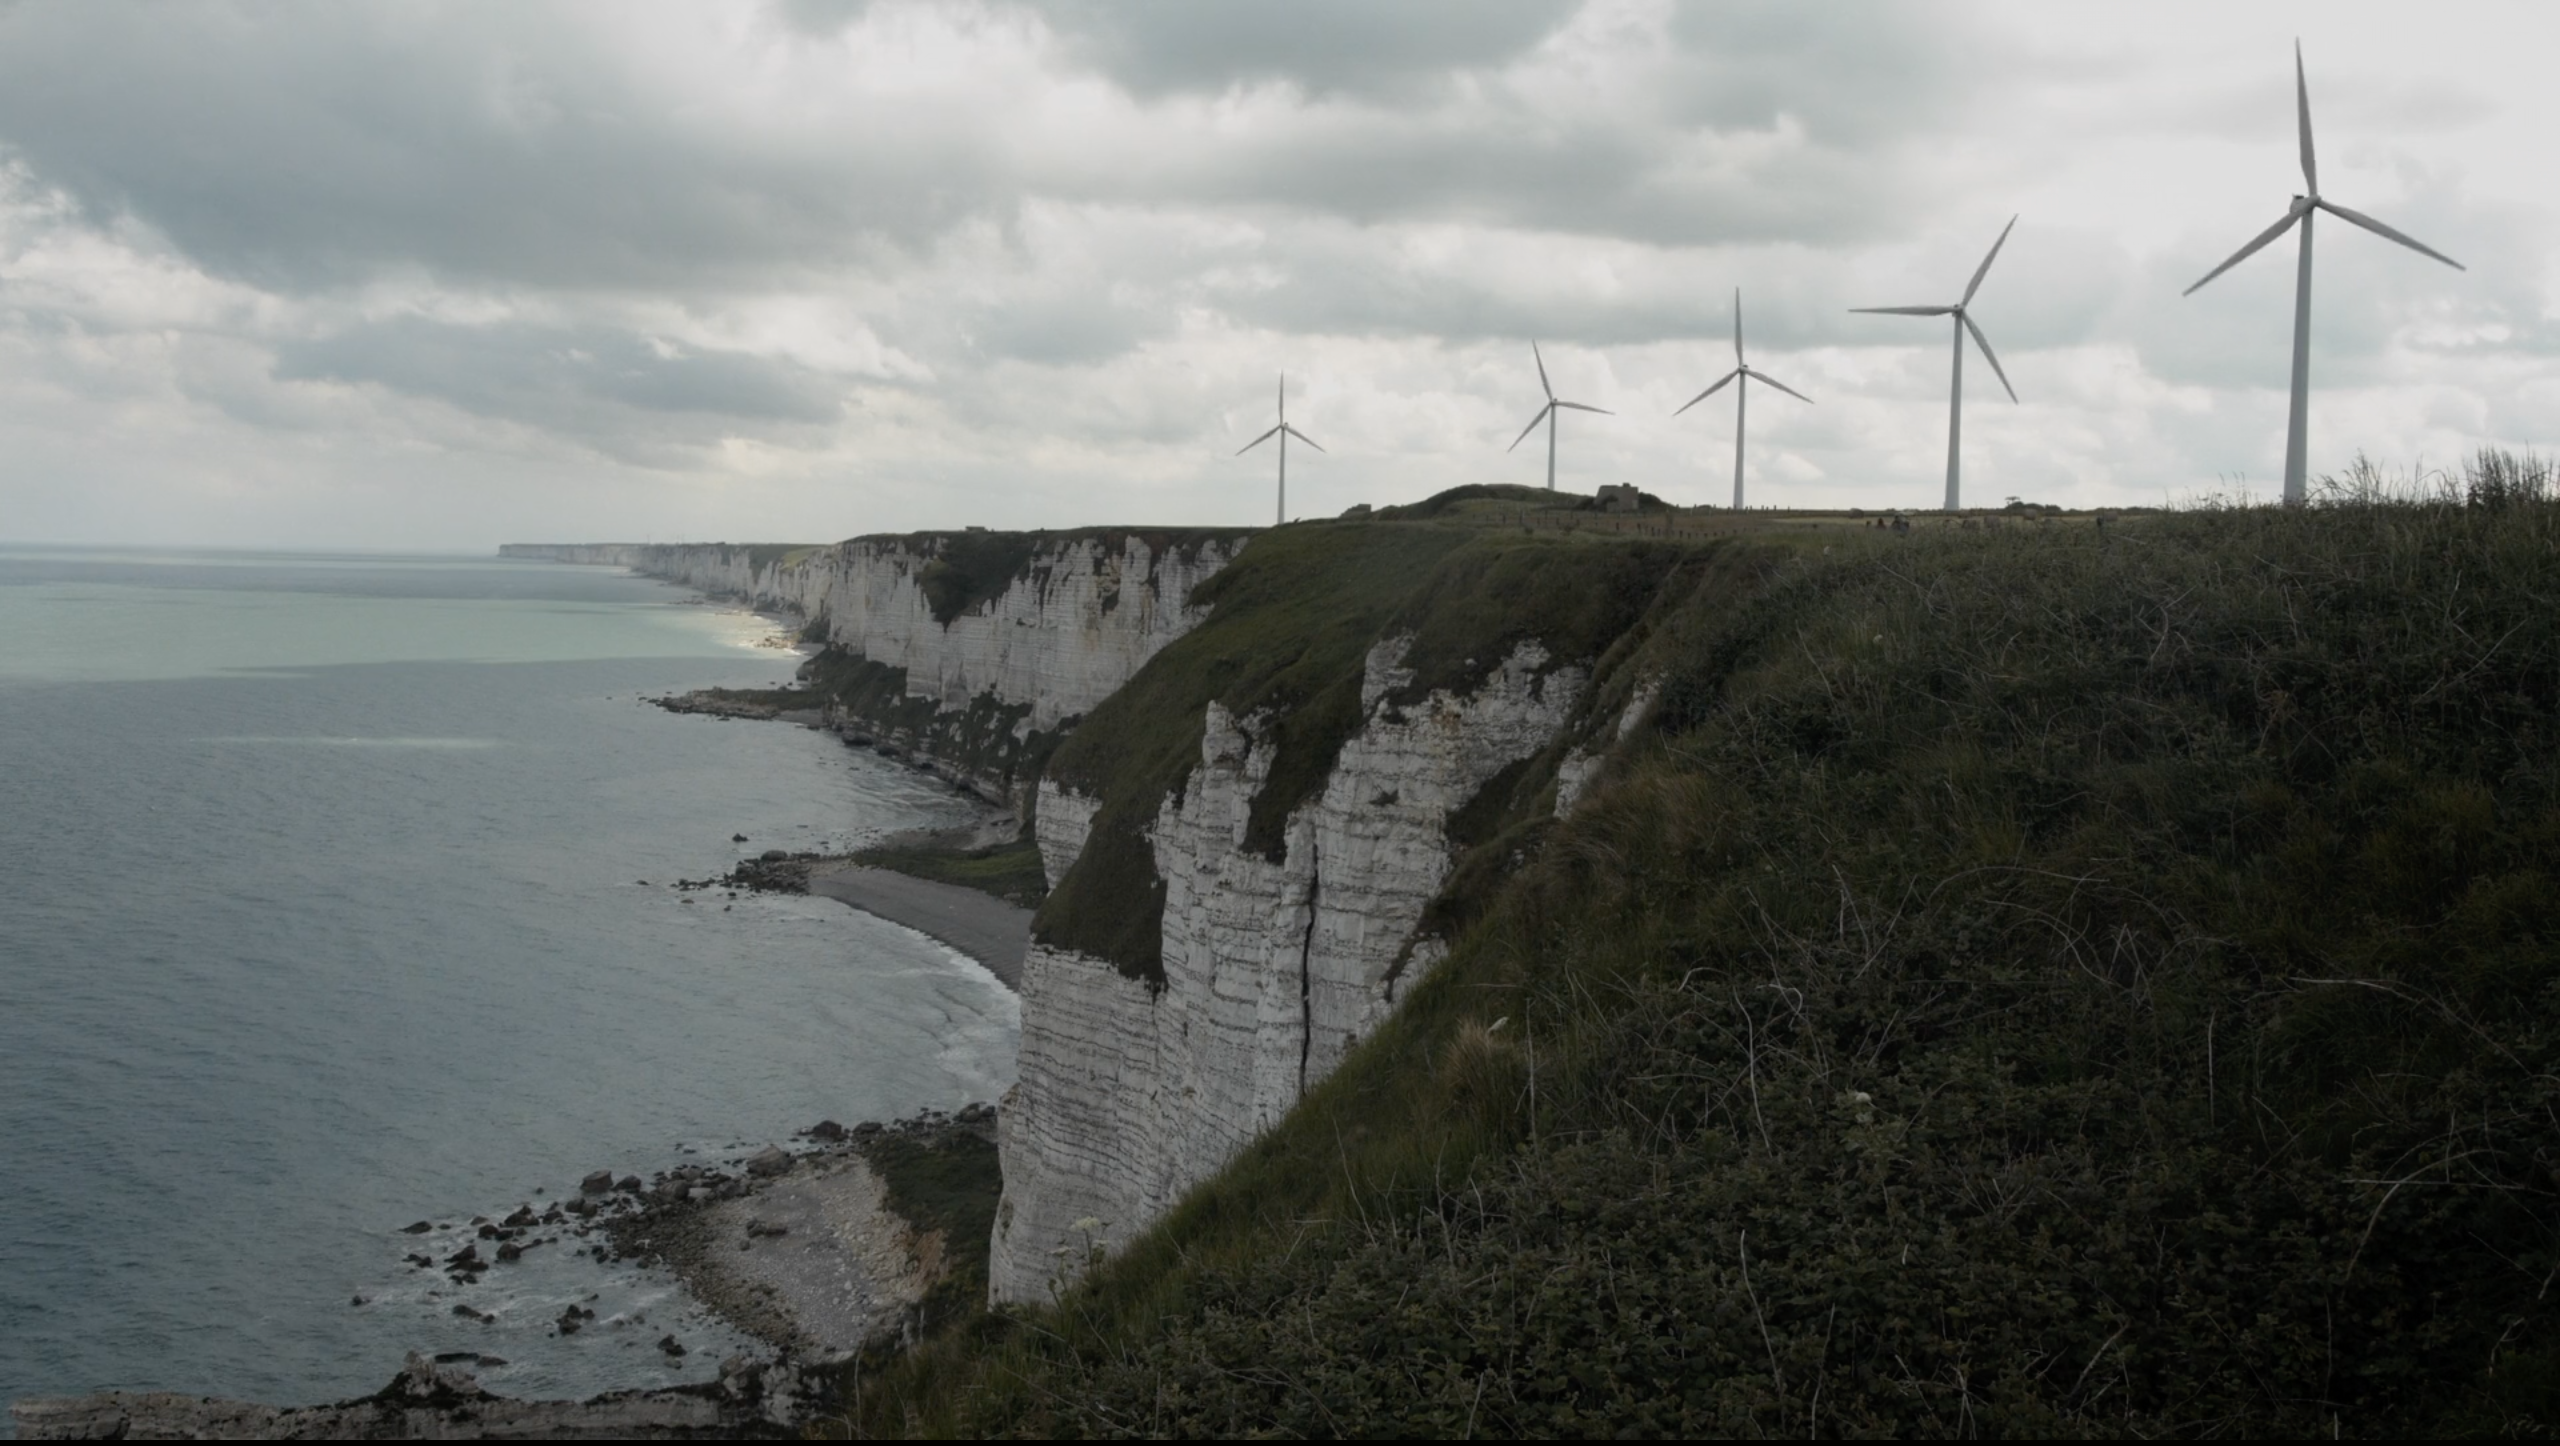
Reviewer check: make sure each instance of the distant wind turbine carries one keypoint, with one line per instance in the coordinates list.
(1547, 414)
(1284, 432)
(2297, 425)
(1742, 373)
(1963, 324)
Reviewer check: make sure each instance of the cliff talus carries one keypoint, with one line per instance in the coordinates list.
(1231, 920)
(969, 650)
(1130, 1093)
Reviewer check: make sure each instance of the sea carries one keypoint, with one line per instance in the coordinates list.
(336, 894)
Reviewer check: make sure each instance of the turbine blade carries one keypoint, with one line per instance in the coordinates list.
(1258, 441)
(1284, 396)
(1579, 407)
(1721, 383)
(1985, 268)
(1543, 384)
(1737, 328)
(1767, 380)
(1905, 310)
(2245, 252)
(2302, 99)
(1979, 341)
(1301, 436)
(1533, 426)
(2378, 229)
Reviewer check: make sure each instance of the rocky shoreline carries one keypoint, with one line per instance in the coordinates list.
(798, 1248)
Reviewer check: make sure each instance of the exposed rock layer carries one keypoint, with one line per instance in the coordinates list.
(1128, 1095)
(428, 1402)
(1083, 612)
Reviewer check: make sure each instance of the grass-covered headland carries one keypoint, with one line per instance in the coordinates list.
(2028, 980)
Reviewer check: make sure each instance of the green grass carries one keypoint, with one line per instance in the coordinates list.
(2022, 981)
(946, 1182)
(1009, 871)
(1290, 627)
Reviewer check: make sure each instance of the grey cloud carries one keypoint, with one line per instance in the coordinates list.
(1360, 47)
(320, 145)
(590, 382)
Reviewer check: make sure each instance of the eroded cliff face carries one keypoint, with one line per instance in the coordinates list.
(1129, 1094)
(1063, 620)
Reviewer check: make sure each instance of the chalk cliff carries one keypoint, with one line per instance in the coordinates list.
(1128, 1093)
(1000, 636)
(1251, 836)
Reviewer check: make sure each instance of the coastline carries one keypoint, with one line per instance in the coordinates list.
(810, 1255)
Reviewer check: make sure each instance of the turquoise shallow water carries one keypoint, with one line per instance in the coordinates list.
(321, 911)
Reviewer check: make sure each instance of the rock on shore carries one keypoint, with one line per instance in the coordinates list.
(427, 1401)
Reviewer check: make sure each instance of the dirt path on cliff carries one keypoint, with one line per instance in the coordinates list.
(980, 925)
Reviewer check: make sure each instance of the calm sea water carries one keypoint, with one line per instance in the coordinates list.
(321, 912)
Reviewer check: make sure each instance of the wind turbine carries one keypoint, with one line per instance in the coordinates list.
(1743, 374)
(1547, 414)
(2297, 425)
(1284, 432)
(1963, 324)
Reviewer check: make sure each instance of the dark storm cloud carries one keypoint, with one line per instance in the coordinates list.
(310, 147)
(576, 380)
(315, 146)
(1359, 47)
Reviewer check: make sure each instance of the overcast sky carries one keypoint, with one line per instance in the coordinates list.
(440, 276)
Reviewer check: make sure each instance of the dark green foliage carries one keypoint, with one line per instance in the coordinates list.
(2027, 983)
(1440, 504)
(969, 568)
(761, 555)
(973, 567)
(1284, 649)
(1009, 871)
(945, 1181)
(1290, 621)
(979, 742)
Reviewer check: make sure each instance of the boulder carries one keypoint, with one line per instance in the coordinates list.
(769, 1161)
(597, 1183)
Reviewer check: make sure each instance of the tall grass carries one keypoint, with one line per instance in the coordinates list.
(2066, 982)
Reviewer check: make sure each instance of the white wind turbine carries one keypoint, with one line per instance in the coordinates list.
(1547, 414)
(1284, 432)
(2297, 424)
(1743, 374)
(1963, 324)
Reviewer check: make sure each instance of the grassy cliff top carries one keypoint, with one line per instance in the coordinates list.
(2023, 981)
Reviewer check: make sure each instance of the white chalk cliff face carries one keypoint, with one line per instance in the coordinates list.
(1083, 615)
(1128, 1095)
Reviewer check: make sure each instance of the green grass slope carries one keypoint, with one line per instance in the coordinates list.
(1290, 626)
(2023, 982)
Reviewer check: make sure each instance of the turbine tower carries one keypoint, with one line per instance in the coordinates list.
(1743, 374)
(1963, 324)
(1284, 432)
(2297, 424)
(1547, 414)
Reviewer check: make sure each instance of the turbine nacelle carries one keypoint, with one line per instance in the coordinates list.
(2299, 212)
(1284, 432)
(1964, 326)
(1547, 414)
(1744, 373)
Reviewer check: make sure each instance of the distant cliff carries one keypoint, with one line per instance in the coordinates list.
(968, 652)
(1256, 848)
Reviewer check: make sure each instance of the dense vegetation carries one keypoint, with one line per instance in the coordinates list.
(1290, 627)
(1010, 871)
(2023, 980)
